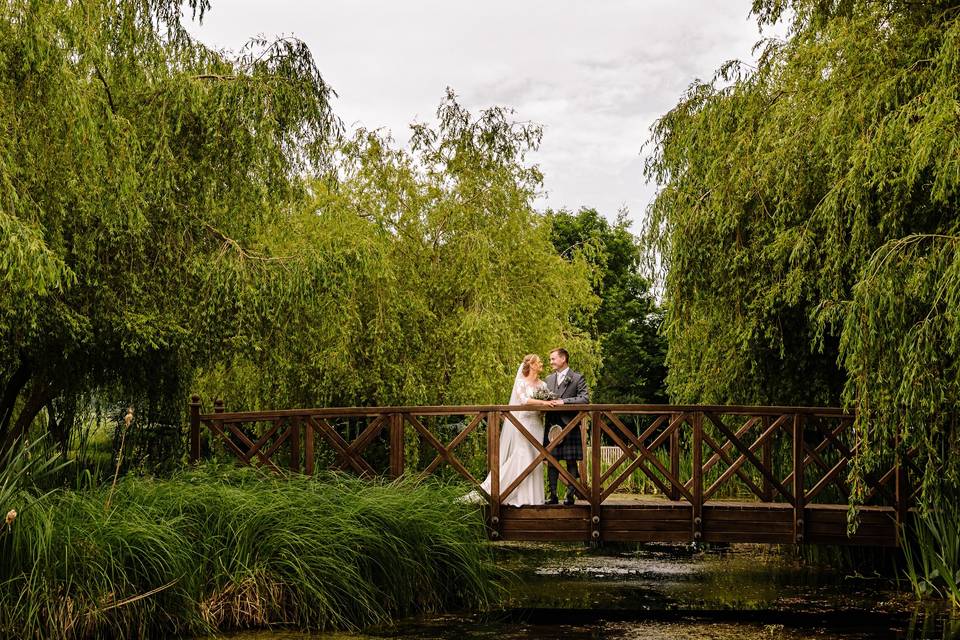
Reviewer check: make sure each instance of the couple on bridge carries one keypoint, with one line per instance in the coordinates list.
(563, 386)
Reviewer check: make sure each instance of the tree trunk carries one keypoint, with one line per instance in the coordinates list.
(41, 392)
(11, 392)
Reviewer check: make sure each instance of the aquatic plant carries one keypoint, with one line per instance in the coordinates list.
(932, 552)
(218, 549)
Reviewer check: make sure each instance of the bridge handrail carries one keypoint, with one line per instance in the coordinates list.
(423, 410)
(821, 442)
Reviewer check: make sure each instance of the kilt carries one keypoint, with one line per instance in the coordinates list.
(571, 447)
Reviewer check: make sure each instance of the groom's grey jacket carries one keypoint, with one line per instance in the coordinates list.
(573, 391)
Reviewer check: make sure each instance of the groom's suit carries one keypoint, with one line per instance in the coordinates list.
(572, 390)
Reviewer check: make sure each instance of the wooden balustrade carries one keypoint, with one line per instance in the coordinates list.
(769, 474)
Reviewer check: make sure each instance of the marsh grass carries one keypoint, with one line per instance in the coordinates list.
(932, 552)
(219, 549)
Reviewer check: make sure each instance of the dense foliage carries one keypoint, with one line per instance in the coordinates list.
(807, 225)
(417, 276)
(215, 550)
(169, 212)
(134, 167)
(627, 322)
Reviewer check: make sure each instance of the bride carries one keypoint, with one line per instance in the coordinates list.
(516, 451)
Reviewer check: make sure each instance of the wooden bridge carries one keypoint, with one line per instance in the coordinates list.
(710, 473)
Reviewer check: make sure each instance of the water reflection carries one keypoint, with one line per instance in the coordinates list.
(658, 592)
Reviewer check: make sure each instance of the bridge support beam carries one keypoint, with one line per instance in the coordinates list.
(396, 444)
(696, 523)
(799, 496)
(493, 454)
(595, 488)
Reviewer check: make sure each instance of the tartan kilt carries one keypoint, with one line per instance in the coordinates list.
(571, 447)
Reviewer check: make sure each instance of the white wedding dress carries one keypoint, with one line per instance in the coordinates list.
(516, 451)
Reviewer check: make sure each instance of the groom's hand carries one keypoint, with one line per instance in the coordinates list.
(556, 403)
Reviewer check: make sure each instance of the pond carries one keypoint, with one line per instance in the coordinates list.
(655, 591)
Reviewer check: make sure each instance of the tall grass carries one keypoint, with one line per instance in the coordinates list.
(932, 552)
(221, 549)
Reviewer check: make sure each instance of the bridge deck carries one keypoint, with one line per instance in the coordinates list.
(657, 520)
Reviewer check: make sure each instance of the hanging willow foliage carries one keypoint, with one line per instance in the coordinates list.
(130, 155)
(807, 225)
(416, 276)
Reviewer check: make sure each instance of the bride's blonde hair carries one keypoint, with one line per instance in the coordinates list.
(528, 360)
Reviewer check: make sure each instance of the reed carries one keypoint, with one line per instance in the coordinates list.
(217, 549)
(932, 552)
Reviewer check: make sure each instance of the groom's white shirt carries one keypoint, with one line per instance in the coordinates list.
(561, 376)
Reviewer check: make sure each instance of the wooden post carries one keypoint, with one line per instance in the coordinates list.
(767, 462)
(308, 449)
(582, 464)
(194, 429)
(902, 488)
(493, 457)
(674, 459)
(798, 473)
(697, 507)
(595, 489)
(295, 444)
(396, 445)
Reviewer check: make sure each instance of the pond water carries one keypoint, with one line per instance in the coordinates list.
(660, 592)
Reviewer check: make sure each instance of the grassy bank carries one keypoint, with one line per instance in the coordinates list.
(222, 549)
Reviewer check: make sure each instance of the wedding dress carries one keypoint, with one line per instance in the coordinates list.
(516, 451)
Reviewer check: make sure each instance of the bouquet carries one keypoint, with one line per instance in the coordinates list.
(543, 394)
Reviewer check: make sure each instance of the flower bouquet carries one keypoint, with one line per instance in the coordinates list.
(543, 394)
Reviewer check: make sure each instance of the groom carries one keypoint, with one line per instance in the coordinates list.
(569, 387)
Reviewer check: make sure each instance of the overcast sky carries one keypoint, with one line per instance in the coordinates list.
(596, 74)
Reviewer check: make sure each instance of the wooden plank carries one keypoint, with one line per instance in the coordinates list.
(712, 515)
(715, 458)
(646, 516)
(733, 468)
(696, 513)
(799, 497)
(596, 431)
(361, 466)
(645, 525)
(436, 444)
(308, 449)
(295, 444)
(767, 459)
(547, 536)
(396, 445)
(647, 536)
(675, 462)
(493, 455)
(541, 513)
(453, 444)
(645, 455)
(436, 410)
(746, 528)
(508, 525)
(544, 453)
(746, 451)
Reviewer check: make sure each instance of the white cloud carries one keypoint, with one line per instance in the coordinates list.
(595, 74)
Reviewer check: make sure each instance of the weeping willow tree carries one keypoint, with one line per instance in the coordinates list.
(808, 230)
(136, 166)
(412, 276)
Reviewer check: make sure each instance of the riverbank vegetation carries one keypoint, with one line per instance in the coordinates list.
(808, 230)
(218, 549)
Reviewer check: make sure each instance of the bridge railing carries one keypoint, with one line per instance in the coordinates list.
(690, 454)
